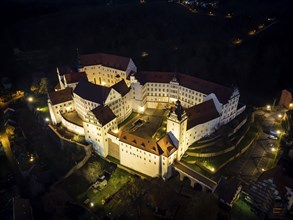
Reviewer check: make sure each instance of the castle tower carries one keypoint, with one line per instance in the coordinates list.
(177, 124)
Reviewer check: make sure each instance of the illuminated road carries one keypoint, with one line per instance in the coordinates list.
(9, 154)
(4, 104)
(261, 155)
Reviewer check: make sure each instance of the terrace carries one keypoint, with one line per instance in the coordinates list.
(149, 125)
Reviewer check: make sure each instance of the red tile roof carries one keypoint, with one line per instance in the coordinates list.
(74, 77)
(201, 113)
(61, 96)
(103, 114)
(141, 143)
(113, 61)
(167, 146)
(206, 87)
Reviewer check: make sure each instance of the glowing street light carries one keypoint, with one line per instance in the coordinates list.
(262, 169)
(291, 105)
(47, 119)
(273, 149)
(269, 107)
(30, 99)
(280, 115)
(278, 132)
(213, 169)
(32, 158)
(92, 204)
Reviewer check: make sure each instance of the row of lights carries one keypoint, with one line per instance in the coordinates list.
(31, 99)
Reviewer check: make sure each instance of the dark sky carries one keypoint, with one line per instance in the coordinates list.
(260, 64)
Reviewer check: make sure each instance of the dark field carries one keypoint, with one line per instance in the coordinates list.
(172, 37)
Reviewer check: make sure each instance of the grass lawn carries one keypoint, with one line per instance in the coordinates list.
(242, 211)
(81, 180)
(117, 180)
(212, 163)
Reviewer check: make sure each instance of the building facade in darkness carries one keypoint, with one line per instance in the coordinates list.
(106, 89)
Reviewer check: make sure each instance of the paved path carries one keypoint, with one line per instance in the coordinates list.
(88, 154)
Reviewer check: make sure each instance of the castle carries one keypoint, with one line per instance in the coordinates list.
(106, 89)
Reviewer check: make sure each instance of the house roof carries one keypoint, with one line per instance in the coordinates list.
(113, 61)
(223, 93)
(57, 87)
(141, 143)
(227, 188)
(276, 174)
(201, 113)
(103, 114)
(92, 92)
(74, 77)
(167, 146)
(121, 87)
(61, 96)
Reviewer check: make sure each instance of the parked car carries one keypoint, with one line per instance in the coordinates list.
(273, 137)
(101, 178)
(100, 185)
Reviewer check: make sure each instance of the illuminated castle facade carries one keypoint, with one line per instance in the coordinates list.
(106, 89)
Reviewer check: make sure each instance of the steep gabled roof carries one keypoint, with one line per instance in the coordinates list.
(75, 77)
(92, 92)
(61, 96)
(227, 189)
(206, 87)
(121, 87)
(201, 113)
(141, 143)
(167, 146)
(113, 61)
(103, 114)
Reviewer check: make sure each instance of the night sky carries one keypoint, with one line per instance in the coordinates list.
(173, 37)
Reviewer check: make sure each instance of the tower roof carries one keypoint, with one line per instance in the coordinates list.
(179, 110)
(103, 114)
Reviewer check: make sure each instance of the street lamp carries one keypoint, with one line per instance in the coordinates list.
(273, 149)
(280, 116)
(92, 204)
(30, 99)
(47, 119)
(269, 107)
